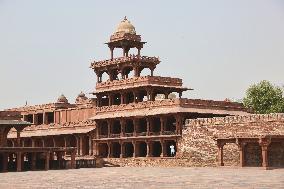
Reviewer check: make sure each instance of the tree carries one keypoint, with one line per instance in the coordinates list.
(264, 98)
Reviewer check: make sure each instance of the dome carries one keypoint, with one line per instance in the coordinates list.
(125, 27)
(81, 94)
(62, 99)
(81, 99)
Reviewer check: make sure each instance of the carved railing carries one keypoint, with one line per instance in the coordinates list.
(154, 133)
(103, 136)
(121, 60)
(129, 134)
(186, 103)
(114, 135)
(168, 133)
(141, 134)
(143, 80)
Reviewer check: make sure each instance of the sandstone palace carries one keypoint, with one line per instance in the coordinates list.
(135, 117)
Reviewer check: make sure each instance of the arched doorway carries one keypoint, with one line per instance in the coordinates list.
(141, 149)
(156, 149)
(129, 149)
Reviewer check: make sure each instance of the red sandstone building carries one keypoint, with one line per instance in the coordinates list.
(131, 114)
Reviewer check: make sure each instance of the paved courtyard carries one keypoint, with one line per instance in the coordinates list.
(123, 177)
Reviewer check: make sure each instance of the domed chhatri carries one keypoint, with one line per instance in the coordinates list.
(62, 99)
(125, 27)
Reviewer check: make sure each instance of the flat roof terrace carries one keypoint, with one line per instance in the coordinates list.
(167, 106)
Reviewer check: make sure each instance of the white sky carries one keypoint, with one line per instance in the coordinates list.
(218, 47)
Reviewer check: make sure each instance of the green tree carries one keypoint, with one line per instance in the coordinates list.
(264, 98)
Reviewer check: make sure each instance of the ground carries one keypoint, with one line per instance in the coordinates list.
(146, 177)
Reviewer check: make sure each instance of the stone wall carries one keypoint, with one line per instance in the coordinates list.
(197, 142)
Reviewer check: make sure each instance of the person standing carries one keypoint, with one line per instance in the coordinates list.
(172, 147)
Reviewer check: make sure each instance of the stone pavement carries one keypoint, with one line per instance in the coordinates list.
(146, 177)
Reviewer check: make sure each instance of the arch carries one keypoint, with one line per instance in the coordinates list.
(156, 125)
(253, 157)
(168, 143)
(129, 149)
(170, 124)
(49, 142)
(103, 128)
(38, 142)
(276, 154)
(116, 149)
(28, 142)
(129, 126)
(10, 143)
(156, 148)
(117, 99)
(142, 126)
(145, 71)
(116, 127)
(104, 76)
(141, 149)
(59, 141)
(103, 150)
(129, 97)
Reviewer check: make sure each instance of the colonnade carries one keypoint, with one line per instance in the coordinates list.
(135, 148)
(83, 142)
(134, 127)
(133, 96)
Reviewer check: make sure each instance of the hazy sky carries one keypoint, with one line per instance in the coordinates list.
(218, 47)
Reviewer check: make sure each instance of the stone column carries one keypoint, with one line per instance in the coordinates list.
(44, 120)
(148, 149)
(19, 161)
(78, 145)
(35, 119)
(136, 125)
(108, 128)
(152, 71)
(264, 143)
(162, 121)
(109, 150)
(82, 144)
(111, 52)
(139, 51)
(90, 145)
(122, 100)
(163, 148)
(47, 157)
(73, 163)
(136, 71)
(19, 137)
(134, 148)
(241, 146)
(220, 154)
(122, 125)
(33, 142)
(148, 125)
(122, 149)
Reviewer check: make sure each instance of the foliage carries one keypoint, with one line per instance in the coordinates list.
(264, 98)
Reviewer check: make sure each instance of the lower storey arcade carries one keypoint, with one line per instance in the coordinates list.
(35, 158)
(136, 147)
(263, 151)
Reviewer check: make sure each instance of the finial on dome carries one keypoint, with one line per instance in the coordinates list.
(125, 18)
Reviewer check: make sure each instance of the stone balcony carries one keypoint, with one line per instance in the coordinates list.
(166, 106)
(116, 62)
(137, 82)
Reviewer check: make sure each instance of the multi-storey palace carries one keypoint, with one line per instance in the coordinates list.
(131, 114)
